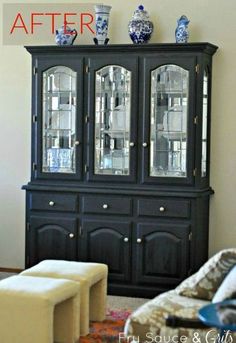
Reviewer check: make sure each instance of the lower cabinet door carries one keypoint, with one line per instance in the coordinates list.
(51, 237)
(108, 242)
(161, 253)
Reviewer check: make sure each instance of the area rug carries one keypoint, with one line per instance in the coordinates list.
(107, 331)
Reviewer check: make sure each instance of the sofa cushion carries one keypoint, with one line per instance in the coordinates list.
(227, 289)
(204, 284)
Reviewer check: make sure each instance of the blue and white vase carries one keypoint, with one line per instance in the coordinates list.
(102, 13)
(181, 32)
(140, 27)
(65, 36)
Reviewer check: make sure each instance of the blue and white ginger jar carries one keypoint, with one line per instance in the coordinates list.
(140, 27)
(65, 37)
(181, 32)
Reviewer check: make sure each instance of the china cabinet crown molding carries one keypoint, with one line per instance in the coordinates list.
(205, 47)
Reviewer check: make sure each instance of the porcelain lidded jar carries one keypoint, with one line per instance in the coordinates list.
(181, 32)
(140, 27)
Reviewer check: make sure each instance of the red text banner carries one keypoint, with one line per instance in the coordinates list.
(36, 24)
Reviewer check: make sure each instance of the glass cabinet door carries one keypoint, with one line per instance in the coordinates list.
(112, 121)
(168, 121)
(204, 124)
(59, 120)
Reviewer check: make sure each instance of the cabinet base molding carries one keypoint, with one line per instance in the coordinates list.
(135, 291)
(10, 270)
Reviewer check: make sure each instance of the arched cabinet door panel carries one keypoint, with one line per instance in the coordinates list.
(108, 242)
(162, 252)
(112, 118)
(52, 238)
(57, 121)
(168, 116)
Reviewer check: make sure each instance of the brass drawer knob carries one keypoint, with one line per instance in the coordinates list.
(77, 142)
(145, 144)
(71, 235)
(131, 144)
(126, 239)
(139, 240)
(105, 206)
(51, 203)
(162, 209)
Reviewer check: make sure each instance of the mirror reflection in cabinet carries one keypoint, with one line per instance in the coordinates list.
(112, 121)
(169, 108)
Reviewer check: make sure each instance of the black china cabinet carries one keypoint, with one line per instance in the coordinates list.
(120, 160)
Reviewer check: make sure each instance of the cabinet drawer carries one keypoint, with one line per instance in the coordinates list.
(53, 202)
(106, 205)
(164, 208)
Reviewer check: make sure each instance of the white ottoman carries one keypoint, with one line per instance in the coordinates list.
(38, 310)
(93, 285)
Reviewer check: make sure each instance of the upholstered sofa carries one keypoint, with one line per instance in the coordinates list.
(148, 322)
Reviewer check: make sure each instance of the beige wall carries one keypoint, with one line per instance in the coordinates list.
(212, 21)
